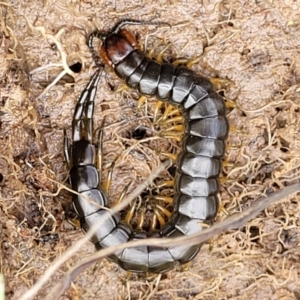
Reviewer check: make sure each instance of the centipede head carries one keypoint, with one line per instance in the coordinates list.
(118, 43)
(117, 46)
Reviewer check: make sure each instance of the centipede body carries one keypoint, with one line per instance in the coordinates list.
(198, 164)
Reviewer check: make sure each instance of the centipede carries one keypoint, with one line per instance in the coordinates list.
(199, 162)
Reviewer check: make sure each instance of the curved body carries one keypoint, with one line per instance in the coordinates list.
(198, 165)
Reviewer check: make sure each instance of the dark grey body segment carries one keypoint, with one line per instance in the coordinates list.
(198, 166)
(125, 70)
(166, 81)
(203, 146)
(146, 258)
(204, 208)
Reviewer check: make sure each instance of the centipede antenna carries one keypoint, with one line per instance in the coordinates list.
(122, 23)
(95, 34)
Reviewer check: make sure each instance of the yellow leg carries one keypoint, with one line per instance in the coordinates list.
(225, 180)
(151, 53)
(185, 267)
(230, 104)
(193, 61)
(107, 182)
(173, 120)
(126, 278)
(141, 219)
(171, 128)
(159, 57)
(230, 147)
(223, 210)
(100, 151)
(121, 88)
(166, 199)
(169, 112)
(180, 61)
(227, 164)
(175, 136)
(142, 100)
(160, 218)
(234, 129)
(74, 222)
(130, 213)
(164, 211)
(168, 109)
(204, 225)
(123, 194)
(157, 109)
(169, 155)
(175, 111)
(186, 61)
(219, 83)
(167, 183)
(153, 223)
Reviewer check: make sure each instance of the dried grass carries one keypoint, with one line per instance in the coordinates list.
(253, 44)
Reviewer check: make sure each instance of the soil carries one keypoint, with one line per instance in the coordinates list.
(254, 45)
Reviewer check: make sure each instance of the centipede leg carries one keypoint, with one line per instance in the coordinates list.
(164, 210)
(107, 183)
(235, 129)
(100, 152)
(173, 132)
(227, 164)
(123, 193)
(141, 219)
(230, 104)
(170, 111)
(180, 61)
(158, 106)
(159, 216)
(233, 147)
(226, 180)
(159, 57)
(142, 100)
(173, 136)
(219, 83)
(66, 150)
(167, 183)
(177, 119)
(121, 88)
(223, 210)
(184, 267)
(172, 156)
(166, 199)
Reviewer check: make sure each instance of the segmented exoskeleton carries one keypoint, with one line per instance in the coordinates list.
(206, 129)
(198, 164)
(91, 201)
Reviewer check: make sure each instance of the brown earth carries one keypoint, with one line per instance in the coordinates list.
(253, 44)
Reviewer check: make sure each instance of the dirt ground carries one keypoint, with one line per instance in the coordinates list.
(255, 45)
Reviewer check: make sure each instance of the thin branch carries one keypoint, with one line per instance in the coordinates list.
(234, 221)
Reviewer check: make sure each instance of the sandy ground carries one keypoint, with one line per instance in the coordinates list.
(255, 45)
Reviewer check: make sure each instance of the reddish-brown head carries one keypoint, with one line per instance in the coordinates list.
(117, 46)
